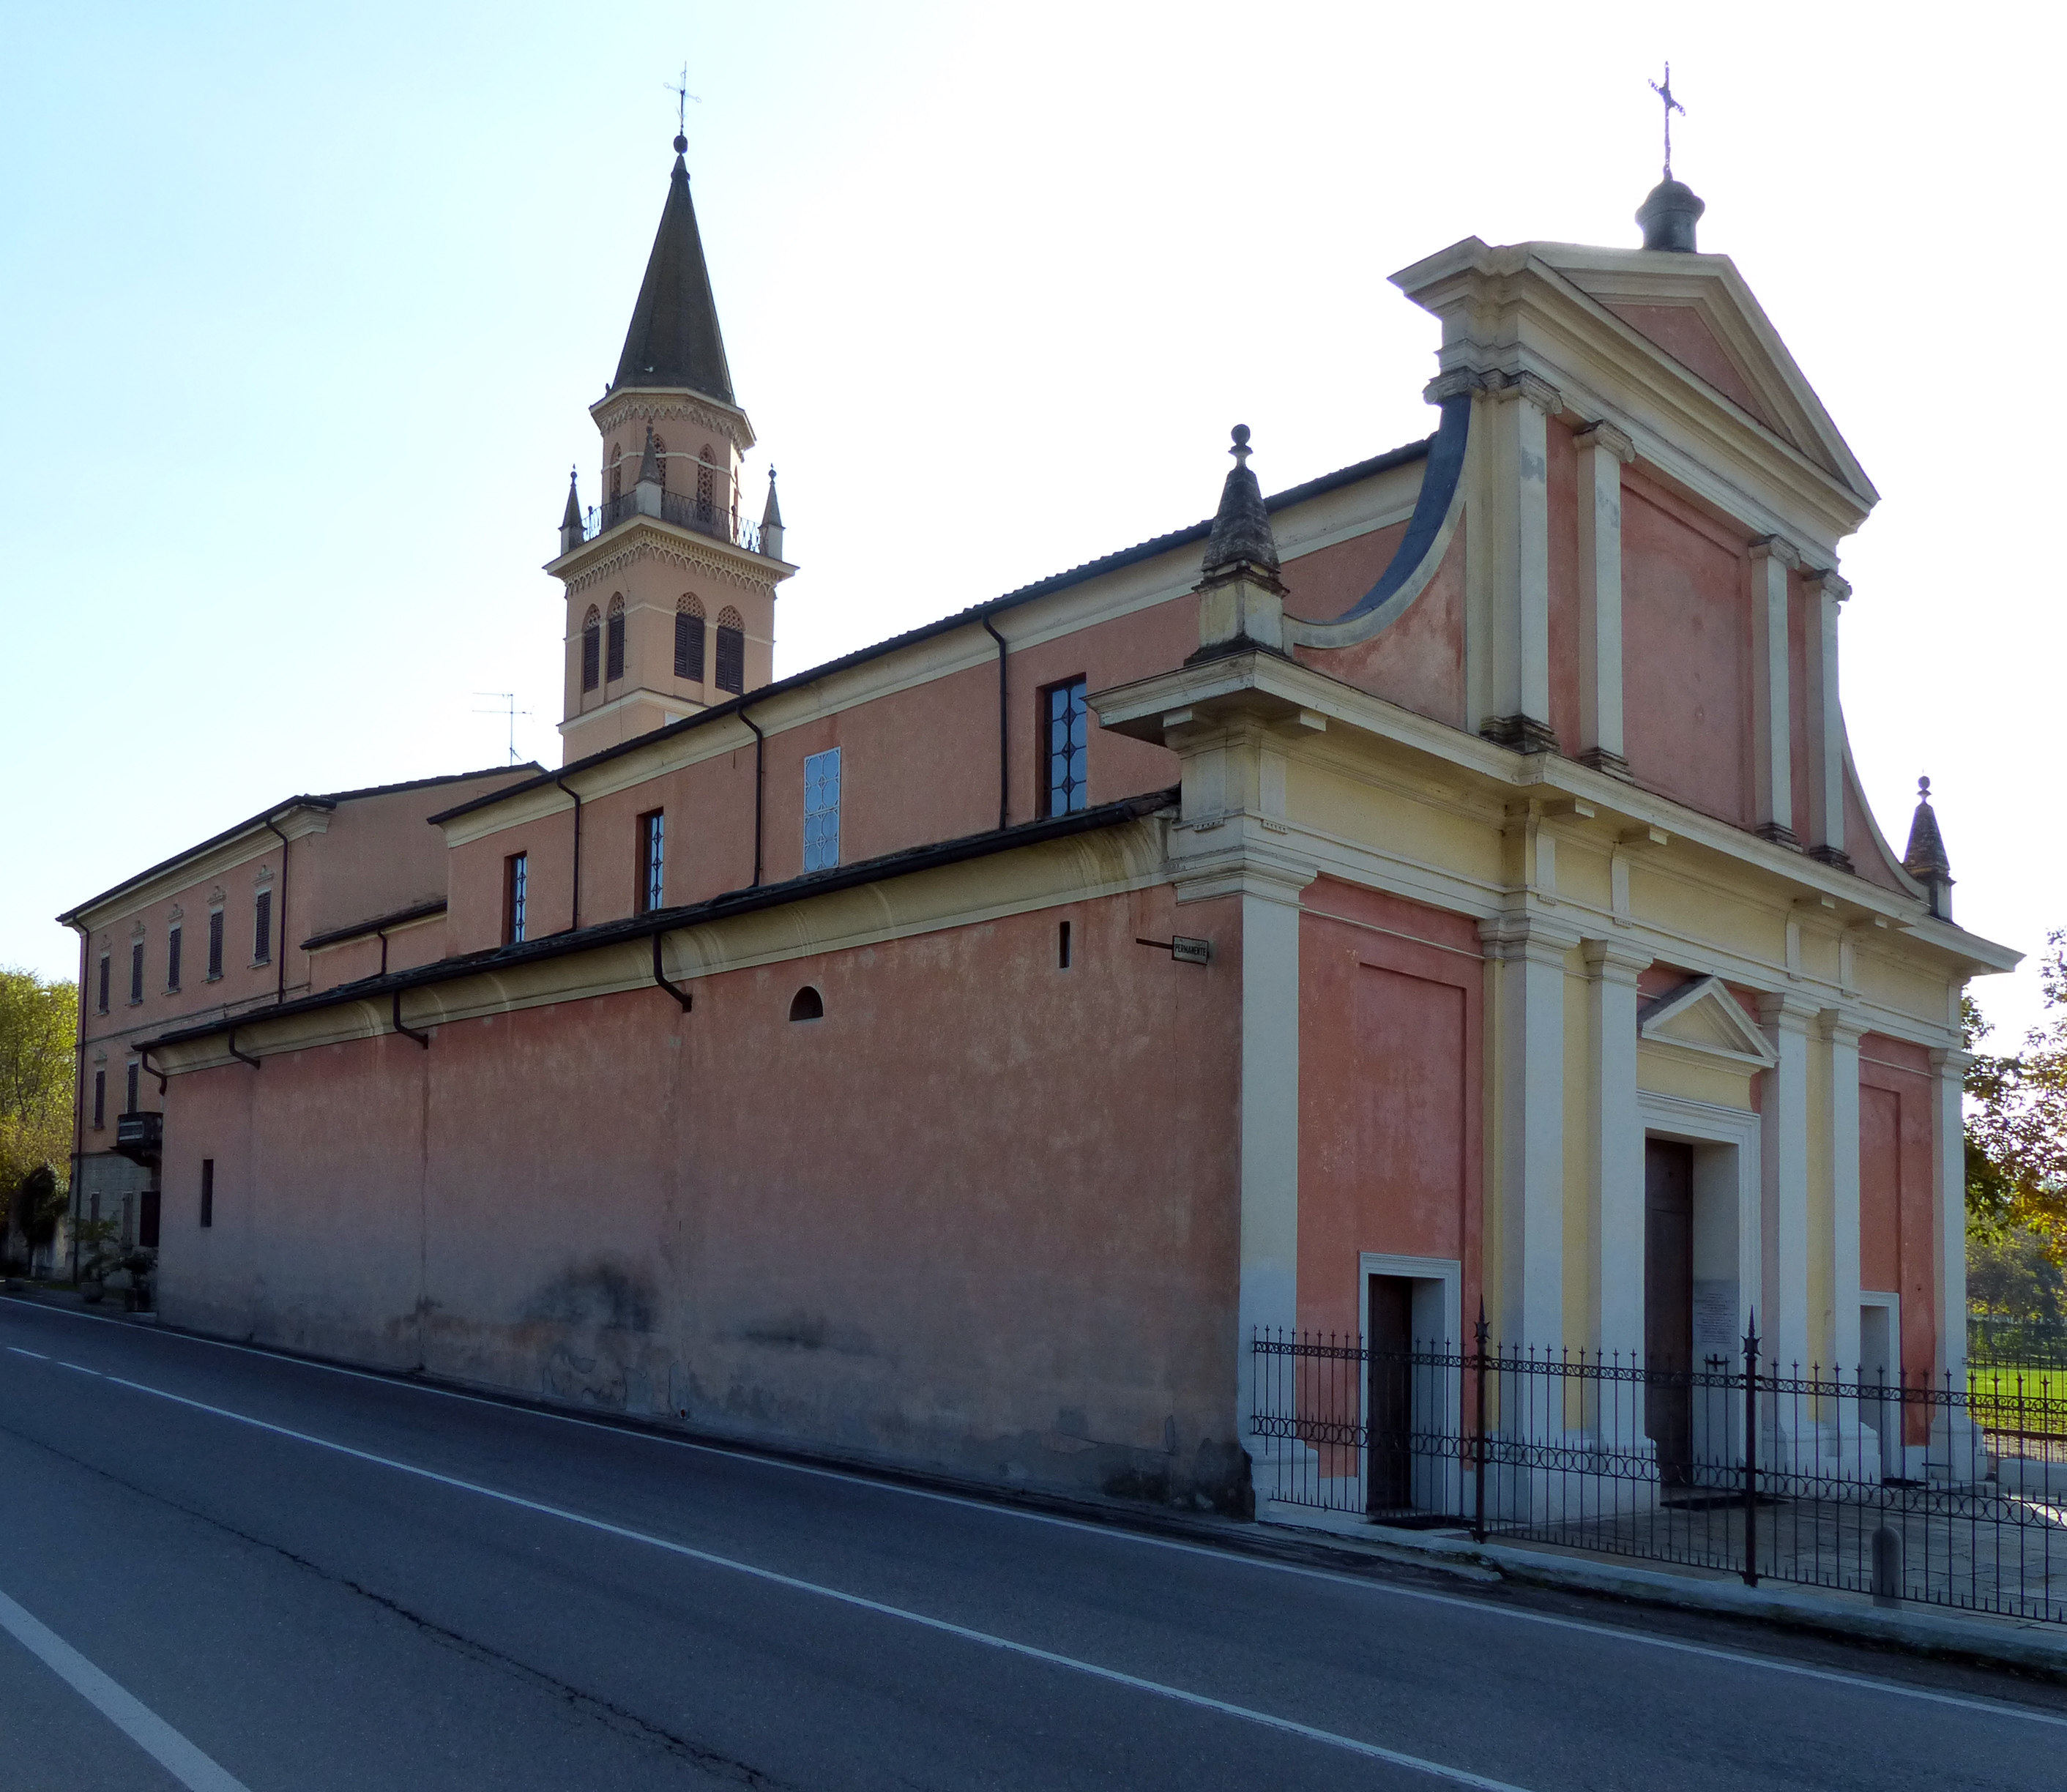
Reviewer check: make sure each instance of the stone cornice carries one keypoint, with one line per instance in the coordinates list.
(1604, 435)
(1614, 960)
(1777, 547)
(682, 548)
(654, 404)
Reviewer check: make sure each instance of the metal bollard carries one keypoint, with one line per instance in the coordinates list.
(1887, 1566)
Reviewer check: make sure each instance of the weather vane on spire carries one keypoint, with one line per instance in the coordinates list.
(1664, 93)
(683, 97)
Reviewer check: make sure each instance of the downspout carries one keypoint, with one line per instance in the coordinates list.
(573, 926)
(760, 742)
(280, 920)
(381, 934)
(242, 1057)
(144, 1059)
(1003, 729)
(675, 990)
(423, 1039)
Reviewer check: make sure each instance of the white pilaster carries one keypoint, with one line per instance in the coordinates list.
(1615, 1212)
(1956, 1452)
(1520, 622)
(1841, 1030)
(1784, 1185)
(1604, 451)
(1772, 738)
(1528, 1031)
(1826, 724)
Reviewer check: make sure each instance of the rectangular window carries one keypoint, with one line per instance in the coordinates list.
(652, 860)
(129, 1091)
(1066, 727)
(136, 973)
(688, 646)
(614, 659)
(99, 1100)
(208, 1191)
(214, 944)
(173, 957)
(731, 659)
(516, 875)
(103, 1004)
(822, 806)
(147, 1220)
(592, 654)
(1062, 948)
(261, 928)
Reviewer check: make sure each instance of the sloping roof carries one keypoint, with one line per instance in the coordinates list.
(272, 813)
(674, 339)
(962, 618)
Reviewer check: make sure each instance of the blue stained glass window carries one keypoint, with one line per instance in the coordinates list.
(1066, 732)
(822, 805)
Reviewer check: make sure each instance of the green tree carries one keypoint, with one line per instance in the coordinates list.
(38, 1025)
(2016, 1125)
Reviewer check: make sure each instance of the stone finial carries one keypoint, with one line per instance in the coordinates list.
(1242, 528)
(771, 522)
(1668, 214)
(1925, 858)
(1241, 600)
(571, 518)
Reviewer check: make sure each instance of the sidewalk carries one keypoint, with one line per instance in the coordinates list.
(1975, 1636)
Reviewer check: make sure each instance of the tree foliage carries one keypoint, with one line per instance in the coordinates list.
(39, 1025)
(2016, 1124)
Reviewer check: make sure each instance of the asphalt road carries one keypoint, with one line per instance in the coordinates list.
(221, 1569)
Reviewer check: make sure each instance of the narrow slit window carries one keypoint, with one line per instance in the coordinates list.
(591, 649)
(214, 944)
(1062, 947)
(822, 810)
(261, 928)
(614, 647)
(99, 1100)
(173, 957)
(652, 860)
(688, 642)
(102, 1005)
(1065, 726)
(136, 972)
(208, 1191)
(516, 875)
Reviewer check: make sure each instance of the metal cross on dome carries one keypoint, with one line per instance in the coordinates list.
(683, 97)
(1664, 93)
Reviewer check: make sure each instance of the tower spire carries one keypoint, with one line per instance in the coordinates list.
(674, 339)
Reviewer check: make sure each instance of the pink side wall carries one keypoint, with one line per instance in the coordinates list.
(1897, 1250)
(1390, 1092)
(931, 1228)
(1417, 662)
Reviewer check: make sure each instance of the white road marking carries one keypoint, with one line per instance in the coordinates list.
(135, 1720)
(1836, 1676)
(1457, 1776)
(19, 1352)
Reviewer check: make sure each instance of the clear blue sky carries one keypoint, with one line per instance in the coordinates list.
(305, 306)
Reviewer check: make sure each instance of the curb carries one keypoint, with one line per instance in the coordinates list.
(1982, 1637)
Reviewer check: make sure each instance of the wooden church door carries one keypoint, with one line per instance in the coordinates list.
(1668, 1304)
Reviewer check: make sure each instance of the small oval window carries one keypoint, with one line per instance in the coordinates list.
(807, 1005)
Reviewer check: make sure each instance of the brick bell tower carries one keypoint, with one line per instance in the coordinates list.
(670, 586)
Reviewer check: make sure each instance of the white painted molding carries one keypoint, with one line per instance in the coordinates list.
(1704, 1020)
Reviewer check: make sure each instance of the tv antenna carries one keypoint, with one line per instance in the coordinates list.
(508, 709)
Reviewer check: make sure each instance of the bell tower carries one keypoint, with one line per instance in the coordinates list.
(670, 585)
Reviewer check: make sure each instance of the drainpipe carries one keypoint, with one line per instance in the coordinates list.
(423, 1039)
(280, 920)
(760, 742)
(573, 926)
(1003, 729)
(144, 1059)
(242, 1057)
(675, 990)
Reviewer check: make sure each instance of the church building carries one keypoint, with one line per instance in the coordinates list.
(1441, 885)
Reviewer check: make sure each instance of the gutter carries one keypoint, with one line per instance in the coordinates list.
(718, 908)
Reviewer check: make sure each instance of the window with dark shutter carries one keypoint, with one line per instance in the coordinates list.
(99, 1100)
(129, 1091)
(591, 649)
(102, 1005)
(214, 944)
(173, 957)
(731, 652)
(136, 972)
(688, 642)
(261, 928)
(614, 666)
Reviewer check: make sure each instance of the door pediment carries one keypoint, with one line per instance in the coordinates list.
(1703, 1019)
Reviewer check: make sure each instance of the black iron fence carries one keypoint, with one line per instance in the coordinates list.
(2024, 1341)
(1947, 1491)
(706, 516)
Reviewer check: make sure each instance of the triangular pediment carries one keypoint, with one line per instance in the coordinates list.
(1703, 1016)
(1697, 311)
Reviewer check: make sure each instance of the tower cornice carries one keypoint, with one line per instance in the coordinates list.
(641, 537)
(656, 403)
